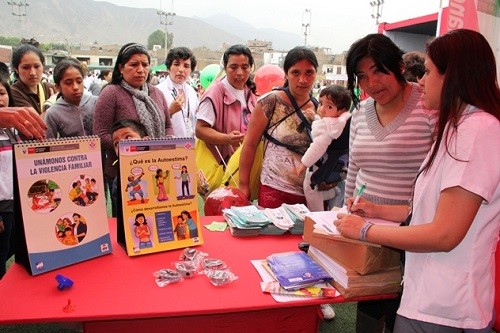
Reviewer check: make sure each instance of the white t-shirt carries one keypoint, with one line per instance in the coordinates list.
(206, 111)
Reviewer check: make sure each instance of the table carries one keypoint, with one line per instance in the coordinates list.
(117, 293)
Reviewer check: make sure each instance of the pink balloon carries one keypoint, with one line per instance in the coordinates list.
(267, 77)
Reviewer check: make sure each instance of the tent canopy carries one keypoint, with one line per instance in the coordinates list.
(159, 68)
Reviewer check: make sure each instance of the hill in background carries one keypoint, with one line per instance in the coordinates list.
(86, 22)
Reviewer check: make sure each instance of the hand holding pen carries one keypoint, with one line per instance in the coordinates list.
(178, 103)
(350, 203)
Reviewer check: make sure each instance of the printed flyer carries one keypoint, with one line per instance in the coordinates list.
(60, 202)
(157, 204)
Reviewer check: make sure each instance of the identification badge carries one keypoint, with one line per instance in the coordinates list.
(189, 127)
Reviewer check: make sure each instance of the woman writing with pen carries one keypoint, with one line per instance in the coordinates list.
(454, 229)
(390, 134)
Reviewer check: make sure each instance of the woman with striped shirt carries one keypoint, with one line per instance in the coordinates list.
(391, 131)
(390, 135)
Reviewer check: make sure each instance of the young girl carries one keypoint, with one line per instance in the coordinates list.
(73, 112)
(160, 183)
(6, 185)
(181, 228)
(69, 237)
(142, 231)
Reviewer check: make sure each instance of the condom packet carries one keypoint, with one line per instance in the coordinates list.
(166, 276)
(220, 277)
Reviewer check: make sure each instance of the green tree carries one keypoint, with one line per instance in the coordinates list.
(10, 41)
(158, 38)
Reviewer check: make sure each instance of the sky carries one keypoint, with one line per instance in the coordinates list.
(334, 24)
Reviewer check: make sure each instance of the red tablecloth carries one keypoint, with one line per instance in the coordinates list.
(118, 287)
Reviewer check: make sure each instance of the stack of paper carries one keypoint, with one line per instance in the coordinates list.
(352, 284)
(296, 270)
(361, 256)
(297, 213)
(269, 282)
(246, 220)
(250, 221)
(280, 221)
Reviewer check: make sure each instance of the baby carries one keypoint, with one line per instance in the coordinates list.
(332, 116)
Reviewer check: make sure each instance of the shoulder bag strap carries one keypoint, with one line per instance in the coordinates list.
(305, 123)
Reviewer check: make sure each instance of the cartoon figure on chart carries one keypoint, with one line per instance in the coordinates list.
(45, 196)
(181, 228)
(39, 201)
(142, 231)
(69, 237)
(80, 226)
(60, 227)
(76, 194)
(193, 229)
(67, 223)
(54, 201)
(135, 186)
(90, 189)
(185, 180)
(160, 183)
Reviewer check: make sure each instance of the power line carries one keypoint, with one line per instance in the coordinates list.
(306, 24)
(377, 9)
(168, 21)
(21, 8)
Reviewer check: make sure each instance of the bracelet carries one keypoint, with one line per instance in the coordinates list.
(364, 230)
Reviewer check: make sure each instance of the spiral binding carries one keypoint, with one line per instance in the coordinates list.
(163, 138)
(71, 139)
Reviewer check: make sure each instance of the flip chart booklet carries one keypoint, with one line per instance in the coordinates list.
(157, 205)
(60, 203)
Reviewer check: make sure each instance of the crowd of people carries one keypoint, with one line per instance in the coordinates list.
(417, 129)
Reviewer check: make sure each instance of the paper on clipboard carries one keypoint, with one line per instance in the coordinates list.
(324, 220)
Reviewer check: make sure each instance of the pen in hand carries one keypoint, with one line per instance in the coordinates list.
(358, 196)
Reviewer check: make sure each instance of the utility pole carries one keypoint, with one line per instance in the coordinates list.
(168, 21)
(306, 24)
(21, 8)
(377, 9)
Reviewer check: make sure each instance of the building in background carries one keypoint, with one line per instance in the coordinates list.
(478, 15)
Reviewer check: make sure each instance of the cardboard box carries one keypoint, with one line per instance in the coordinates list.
(352, 284)
(366, 291)
(363, 257)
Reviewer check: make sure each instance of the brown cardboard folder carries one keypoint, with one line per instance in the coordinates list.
(363, 257)
(352, 284)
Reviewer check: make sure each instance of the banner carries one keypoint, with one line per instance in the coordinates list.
(477, 15)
